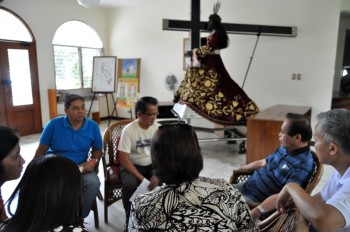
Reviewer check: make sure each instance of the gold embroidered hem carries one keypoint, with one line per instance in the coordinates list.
(211, 92)
(201, 91)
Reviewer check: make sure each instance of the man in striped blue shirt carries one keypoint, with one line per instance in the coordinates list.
(291, 162)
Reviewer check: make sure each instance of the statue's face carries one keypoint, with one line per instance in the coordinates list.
(210, 24)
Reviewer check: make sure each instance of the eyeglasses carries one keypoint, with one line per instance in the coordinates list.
(284, 132)
(151, 114)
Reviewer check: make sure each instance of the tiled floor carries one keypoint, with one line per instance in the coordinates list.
(220, 159)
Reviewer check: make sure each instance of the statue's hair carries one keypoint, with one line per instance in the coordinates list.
(216, 7)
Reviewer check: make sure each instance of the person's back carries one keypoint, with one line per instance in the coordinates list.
(49, 197)
(187, 202)
(204, 204)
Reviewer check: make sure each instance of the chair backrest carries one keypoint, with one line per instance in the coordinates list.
(291, 221)
(239, 176)
(316, 174)
(110, 138)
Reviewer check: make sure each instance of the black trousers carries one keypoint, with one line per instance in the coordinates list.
(130, 184)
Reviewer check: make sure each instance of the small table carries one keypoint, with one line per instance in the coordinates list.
(263, 130)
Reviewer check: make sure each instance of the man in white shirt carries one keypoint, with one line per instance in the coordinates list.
(134, 150)
(328, 210)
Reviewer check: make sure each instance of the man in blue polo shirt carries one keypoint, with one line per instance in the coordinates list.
(72, 136)
(291, 162)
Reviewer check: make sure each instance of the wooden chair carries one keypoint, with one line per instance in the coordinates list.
(113, 186)
(291, 221)
(240, 176)
(99, 196)
(95, 210)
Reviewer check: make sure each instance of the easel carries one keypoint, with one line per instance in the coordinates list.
(114, 107)
(129, 111)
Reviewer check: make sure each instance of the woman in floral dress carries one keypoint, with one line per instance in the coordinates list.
(187, 202)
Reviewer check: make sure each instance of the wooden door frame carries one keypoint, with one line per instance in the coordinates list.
(8, 117)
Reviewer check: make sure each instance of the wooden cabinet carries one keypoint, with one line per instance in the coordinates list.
(56, 108)
(52, 103)
(263, 130)
(339, 101)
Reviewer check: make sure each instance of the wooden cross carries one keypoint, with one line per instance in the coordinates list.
(195, 26)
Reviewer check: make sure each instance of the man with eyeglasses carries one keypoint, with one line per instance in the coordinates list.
(329, 209)
(134, 150)
(291, 162)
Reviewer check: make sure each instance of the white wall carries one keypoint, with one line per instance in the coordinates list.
(137, 32)
(43, 18)
(345, 5)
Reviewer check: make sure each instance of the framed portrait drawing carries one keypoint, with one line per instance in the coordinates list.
(104, 74)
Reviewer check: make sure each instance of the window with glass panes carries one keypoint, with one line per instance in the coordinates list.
(73, 66)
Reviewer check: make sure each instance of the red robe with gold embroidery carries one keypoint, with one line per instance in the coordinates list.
(210, 91)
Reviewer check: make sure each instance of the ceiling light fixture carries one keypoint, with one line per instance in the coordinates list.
(88, 3)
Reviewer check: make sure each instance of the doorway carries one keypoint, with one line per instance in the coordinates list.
(19, 83)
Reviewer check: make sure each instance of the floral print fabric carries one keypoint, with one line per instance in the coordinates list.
(202, 205)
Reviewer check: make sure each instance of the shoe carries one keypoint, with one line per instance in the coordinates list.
(81, 224)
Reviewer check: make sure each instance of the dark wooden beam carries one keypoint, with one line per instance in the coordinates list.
(249, 29)
(195, 26)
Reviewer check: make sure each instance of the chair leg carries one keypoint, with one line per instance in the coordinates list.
(99, 195)
(106, 212)
(94, 208)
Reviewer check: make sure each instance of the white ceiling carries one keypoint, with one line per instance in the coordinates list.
(121, 3)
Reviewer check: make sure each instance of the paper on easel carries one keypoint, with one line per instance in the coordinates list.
(143, 188)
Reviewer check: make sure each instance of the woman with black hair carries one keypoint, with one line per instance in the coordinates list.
(11, 161)
(209, 90)
(49, 197)
(186, 202)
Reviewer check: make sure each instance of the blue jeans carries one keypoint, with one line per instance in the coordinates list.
(251, 203)
(91, 186)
